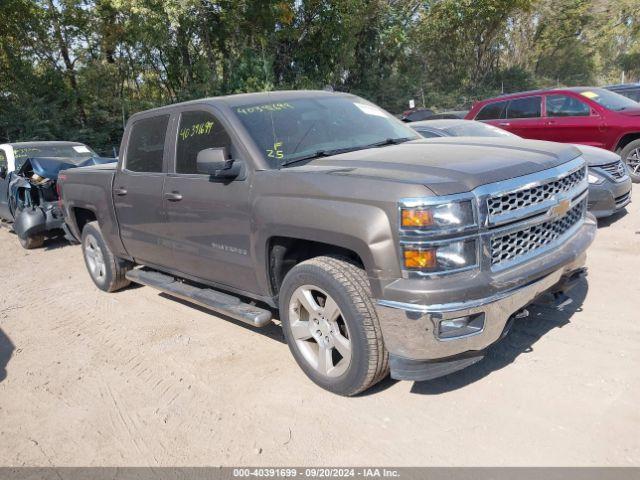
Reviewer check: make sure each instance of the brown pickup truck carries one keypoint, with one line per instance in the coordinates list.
(377, 251)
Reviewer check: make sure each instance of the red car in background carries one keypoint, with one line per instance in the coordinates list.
(584, 115)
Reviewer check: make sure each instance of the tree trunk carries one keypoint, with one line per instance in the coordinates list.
(70, 70)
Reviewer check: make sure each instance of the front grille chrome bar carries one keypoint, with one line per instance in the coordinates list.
(564, 192)
(515, 199)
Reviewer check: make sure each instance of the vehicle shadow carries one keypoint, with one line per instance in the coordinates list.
(54, 243)
(6, 351)
(608, 221)
(524, 334)
(272, 331)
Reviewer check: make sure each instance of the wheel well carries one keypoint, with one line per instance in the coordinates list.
(626, 139)
(284, 253)
(82, 217)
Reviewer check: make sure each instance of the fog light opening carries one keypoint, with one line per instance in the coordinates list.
(461, 326)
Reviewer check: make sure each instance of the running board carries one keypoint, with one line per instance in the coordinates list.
(205, 297)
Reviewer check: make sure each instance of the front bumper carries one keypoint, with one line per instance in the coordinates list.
(410, 329)
(38, 220)
(608, 197)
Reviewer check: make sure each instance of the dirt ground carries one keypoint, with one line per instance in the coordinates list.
(137, 378)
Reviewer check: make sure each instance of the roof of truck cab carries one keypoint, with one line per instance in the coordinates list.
(251, 98)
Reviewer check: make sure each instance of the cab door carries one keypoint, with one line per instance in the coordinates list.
(570, 120)
(137, 192)
(5, 213)
(523, 117)
(209, 219)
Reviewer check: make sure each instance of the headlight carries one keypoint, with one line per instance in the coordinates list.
(594, 178)
(445, 216)
(444, 257)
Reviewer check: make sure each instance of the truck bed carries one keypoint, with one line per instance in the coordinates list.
(86, 195)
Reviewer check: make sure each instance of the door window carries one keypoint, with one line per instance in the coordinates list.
(566, 106)
(3, 159)
(492, 111)
(528, 107)
(198, 131)
(145, 152)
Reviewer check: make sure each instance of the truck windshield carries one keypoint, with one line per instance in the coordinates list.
(79, 152)
(609, 100)
(299, 129)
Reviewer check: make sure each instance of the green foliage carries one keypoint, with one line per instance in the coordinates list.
(76, 69)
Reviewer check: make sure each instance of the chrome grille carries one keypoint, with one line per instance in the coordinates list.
(616, 169)
(509, 202)
(505, 248)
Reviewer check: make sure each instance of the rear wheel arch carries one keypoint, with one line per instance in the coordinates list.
(626, 139)
(82, 216)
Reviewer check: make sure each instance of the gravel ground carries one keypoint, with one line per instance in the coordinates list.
(137, 378)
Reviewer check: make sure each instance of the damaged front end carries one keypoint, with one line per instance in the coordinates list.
(34, 200)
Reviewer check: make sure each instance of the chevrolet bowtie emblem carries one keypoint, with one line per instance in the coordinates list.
(560, 209)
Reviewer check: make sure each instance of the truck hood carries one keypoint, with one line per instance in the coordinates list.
(447, 165)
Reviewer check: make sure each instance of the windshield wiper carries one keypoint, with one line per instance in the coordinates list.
(337, 151)
(389, 141)
(318, 154)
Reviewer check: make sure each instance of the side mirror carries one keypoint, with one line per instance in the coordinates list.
(3, 171)
(215, 162)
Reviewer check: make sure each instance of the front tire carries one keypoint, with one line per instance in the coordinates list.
(631, 156)
(331, 326)
(107, 271)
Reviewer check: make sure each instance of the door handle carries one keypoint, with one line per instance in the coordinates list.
(173, 196)
(504, 124)
(121, 192)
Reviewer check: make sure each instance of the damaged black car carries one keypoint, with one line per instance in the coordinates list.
(29, 197)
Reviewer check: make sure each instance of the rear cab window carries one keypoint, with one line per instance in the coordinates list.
(145, 150)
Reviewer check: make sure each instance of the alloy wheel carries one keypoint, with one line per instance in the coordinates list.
(633, 161)
(94, 257)
(320, 331)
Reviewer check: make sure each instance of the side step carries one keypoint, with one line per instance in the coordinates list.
(205, 297)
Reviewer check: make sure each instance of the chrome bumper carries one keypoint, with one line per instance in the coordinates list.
(410, 329)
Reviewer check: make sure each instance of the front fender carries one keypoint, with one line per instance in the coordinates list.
(363, 229)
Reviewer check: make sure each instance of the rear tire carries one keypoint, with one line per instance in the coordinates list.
(106, 270)
(631, 156)
(331, 326)
(29, 243)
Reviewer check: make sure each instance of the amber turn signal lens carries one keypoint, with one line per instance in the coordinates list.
(416, 218)
(420, 258)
